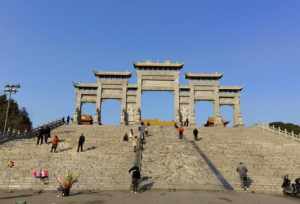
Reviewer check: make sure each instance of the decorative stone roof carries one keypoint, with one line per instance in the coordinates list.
(192, 75)
(112, 74)
(155, 64)
(84, 85)
(230, 88)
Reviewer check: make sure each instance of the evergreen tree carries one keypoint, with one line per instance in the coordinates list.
(18, 119)
(288, 126)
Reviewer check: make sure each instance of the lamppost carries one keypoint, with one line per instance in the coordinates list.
(10, 89)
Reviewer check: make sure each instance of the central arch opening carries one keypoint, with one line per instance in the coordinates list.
(110, 112)
(88, 109)
(227, 114)
(203, 110)
(158, 105)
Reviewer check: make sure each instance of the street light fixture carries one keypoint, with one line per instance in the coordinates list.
(10, 89)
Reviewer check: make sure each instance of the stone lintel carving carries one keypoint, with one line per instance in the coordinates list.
(199, 76)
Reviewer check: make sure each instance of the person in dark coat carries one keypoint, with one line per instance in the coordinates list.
(68, 120)
(186, 122)
(195, 133)
(40, 136)
(142, 128)
(242, 170)
(135, 175)
(80, 143)
(47, 132)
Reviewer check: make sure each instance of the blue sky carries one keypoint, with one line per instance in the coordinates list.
(45, 45)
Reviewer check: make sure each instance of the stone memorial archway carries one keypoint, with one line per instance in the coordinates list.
(157, 76)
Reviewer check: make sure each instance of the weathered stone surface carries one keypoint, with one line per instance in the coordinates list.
(172, 163)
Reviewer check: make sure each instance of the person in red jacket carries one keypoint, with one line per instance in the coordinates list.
(55, 142)
(180, 132)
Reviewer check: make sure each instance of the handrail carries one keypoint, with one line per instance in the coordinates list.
(5, 137)
(278, 131)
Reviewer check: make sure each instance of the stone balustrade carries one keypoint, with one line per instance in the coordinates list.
(278, 131)
(17, 134)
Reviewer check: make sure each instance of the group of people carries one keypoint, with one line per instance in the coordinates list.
(143, 132)
(180, 131)
(45, 133)
(68, 120)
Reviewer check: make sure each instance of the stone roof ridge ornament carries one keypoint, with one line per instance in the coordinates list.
(113, 74)
(203, 75)
(231, 88)
(157, 64)
(84, 85)
(75, 84)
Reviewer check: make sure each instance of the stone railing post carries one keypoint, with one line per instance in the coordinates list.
(279, 130)
(285, 132)
(292, 133)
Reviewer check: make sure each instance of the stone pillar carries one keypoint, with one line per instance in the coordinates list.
(191, 114)
(176, 100)
(98, 104)
(138, 99)
(237, 118)
(124, 106)
(217, 115)
(77, 112)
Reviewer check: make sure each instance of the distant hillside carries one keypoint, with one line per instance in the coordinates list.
(17, 118)
(289, 126)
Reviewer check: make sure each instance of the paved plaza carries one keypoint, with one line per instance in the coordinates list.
(163, 197)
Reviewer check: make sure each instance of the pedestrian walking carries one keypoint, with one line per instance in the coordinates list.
(186, 122)
(40, 137)
(135, 177)
(55, 142)
(125, 137)
(242, 170)
(81, 142)
(195, 133)
(47, 133)
(146, 131)
(180, 132)
(142, 132)
(68, 120)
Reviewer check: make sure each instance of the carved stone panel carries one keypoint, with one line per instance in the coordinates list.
(204, 95)
(88, 99)
(226, 101)
(112, 93)
(157, 85)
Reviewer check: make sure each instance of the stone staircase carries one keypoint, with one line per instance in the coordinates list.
(174, 163)
(267, 156)
(207, 164)
(104, 166)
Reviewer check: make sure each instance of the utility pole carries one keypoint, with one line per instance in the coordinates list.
(9, 88)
